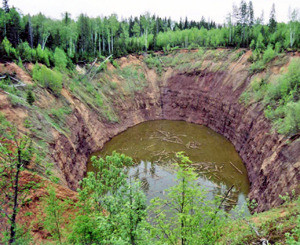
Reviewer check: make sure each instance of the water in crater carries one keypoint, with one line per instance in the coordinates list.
(153, 145)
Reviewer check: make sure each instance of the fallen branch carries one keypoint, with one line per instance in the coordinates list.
(100, 67)
(236, 168)
(263, 240)
(20, 83)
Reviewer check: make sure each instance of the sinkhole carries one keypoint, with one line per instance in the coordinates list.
(153, 145)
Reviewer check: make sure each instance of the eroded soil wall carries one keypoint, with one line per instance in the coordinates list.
(208, 98)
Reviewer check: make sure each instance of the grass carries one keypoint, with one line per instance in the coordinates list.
(193, 61)
(92, 93)
(153, 62)
(57, 117)
(278, 225)
(134, 78)
(260, 60)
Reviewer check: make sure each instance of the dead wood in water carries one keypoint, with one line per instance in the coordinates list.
(193, 145)
(166, 136)
(236, 168)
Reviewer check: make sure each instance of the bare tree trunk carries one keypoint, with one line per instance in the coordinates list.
(95, 42)
(103, 44)
(45, 41)
(112, 43)
(108, 41)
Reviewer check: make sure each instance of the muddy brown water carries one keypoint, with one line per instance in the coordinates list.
(153, 145)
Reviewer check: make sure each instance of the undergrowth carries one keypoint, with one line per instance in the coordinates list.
(134, 77)
(278, 225)
(281, 98)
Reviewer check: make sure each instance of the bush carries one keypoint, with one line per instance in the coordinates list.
(60, 59)
(283, 100)
(269, 54)
(30, 98)
(26, 52)
(43, 55)
(9, 50)
(48, 78)
(153, 62)
(290, 123)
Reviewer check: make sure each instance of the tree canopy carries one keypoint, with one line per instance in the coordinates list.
(38, 38)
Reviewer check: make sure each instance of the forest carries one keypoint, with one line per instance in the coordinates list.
(39, 38)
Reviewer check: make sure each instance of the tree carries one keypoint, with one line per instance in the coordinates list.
(53, 220)
(60, 59)
(13, 26)
(16, 152)
(272, 19)
(146, 24)
(136, 30)
(111, 210)
(114, 26)
(186, 215)
(5, 6)
(30, 98)
(294, 27)
(251, 13)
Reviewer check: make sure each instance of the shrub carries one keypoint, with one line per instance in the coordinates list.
(8, 48)
(283, 100)
(269, 54)
(48, 78)
(153, 62)
(43, 55)
(26, 52)
(30, 98)
(60, 59)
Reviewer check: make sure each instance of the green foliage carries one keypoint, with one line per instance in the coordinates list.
(27, 53)
(283, 102)
(53, 219)
(30, 98)
(111, 210)
(293, 237)
(84, 39)
(57, 118)
(96, 94)
(272, 224)
(9, 50)
(48, 78)
(134, 77)
(269, 54)
(261, 59)
(186, 216)
(43, 55)
(115, 64)
(60, 59)
(286, 117)
(16, 152)
(154, 62)
(280, 98)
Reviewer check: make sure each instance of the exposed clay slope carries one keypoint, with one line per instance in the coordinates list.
(206, 96)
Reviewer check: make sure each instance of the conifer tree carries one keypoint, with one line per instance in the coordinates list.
(5, 6)
(272, 20)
